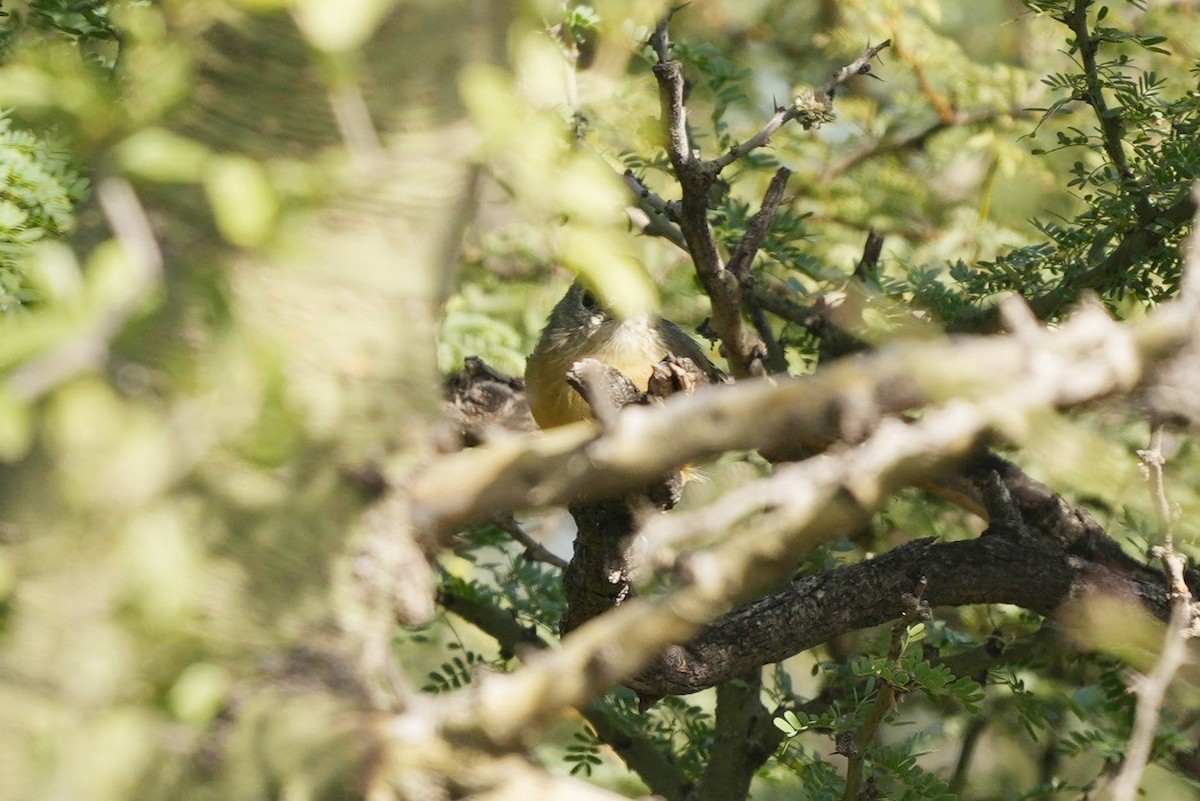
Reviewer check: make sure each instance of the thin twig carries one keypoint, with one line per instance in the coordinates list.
(801, 109)
(776, 359)
(1112, 127)
(913, 140)
(859, 66)
(780, 303)
(1153, 460)
(885, 701)
(943, 107)
(759, 225)
(654, 215)
(648, 198)
(1151, 689)
(533, 549)
(966, 752)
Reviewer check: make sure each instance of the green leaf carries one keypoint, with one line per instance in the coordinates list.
(243, 201)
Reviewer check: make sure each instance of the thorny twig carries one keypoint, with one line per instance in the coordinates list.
(1151, 689)
(810, 110)
(745, 352)
(885, 701)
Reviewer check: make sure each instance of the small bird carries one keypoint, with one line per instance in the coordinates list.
(581, 328)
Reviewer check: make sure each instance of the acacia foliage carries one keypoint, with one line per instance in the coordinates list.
(1052, 160)
(199, 589)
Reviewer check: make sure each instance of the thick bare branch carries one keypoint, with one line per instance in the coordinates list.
(1093, 356)
(845, 488)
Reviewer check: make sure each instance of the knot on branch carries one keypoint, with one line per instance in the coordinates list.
(676, 374)
(482, 401)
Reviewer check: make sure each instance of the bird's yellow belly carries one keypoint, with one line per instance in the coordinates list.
(633, 347)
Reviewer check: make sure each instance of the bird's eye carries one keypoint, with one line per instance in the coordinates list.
(588, 301)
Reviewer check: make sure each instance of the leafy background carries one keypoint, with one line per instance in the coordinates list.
(177, 438)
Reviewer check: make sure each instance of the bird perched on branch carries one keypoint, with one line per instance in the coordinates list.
(581, 328)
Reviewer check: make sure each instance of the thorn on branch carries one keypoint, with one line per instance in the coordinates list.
(660, 40)
(860, 66)
(844, 745)
(481, 402)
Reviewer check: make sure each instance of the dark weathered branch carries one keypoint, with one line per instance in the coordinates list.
(1063, 555)
(783, 305)
(600, 575)
(776, 359)
(759, 226)
(744, 351)
(499, 624)
(648, 198)
(1034, 575)
(482, 401)
(641, 754)
(868, 265)
(774, 521)
(669, 74)
(886, 695)
(533, 549)
(743, 740)
(824, 497)
(654, 216)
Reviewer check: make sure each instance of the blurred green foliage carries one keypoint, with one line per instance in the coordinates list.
(194, 380)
